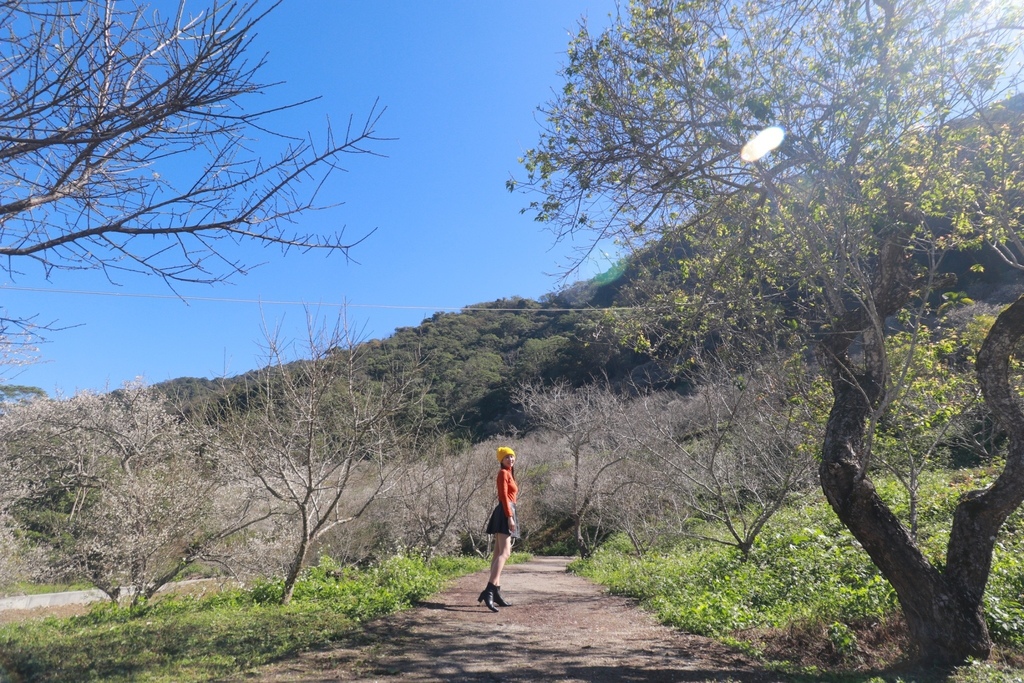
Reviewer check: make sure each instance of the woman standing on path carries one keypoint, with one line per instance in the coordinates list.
(504, 525)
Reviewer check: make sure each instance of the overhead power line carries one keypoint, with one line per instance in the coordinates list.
(271, 302)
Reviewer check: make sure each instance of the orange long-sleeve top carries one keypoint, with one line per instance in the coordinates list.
(507, 490)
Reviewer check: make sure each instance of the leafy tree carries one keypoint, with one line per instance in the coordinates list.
(895, 142)
(928, 406)
(975, 438)
(18, 393)
(125, 141)
(495, 347)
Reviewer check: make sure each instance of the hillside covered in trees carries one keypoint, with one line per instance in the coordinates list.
(470, 362)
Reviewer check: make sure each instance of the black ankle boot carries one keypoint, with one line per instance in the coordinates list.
(487, 597)
(498, 600)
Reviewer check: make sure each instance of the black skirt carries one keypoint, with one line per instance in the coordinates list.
(498, 523)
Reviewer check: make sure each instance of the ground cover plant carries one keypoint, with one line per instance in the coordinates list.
(808, 597)
(185, 639)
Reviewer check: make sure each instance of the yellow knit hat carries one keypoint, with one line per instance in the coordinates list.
(504, 452)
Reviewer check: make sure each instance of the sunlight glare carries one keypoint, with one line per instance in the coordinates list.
(762, 143)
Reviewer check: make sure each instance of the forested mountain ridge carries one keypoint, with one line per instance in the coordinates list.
(470, 361)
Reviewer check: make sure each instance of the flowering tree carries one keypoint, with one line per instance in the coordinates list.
(118, 489)
(587, 451)
(320, 436)
(736, 449)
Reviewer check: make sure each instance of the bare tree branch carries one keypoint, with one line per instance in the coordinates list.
(126, 143)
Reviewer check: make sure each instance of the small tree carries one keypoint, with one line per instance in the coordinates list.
(736, 450)
(586, 446)
(974, 438)
(648, 506)
(320, 436)
(431, 509)
(927, 409)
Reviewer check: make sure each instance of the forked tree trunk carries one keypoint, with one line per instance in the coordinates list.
(581, 539)
(945, 624)
(943, 609)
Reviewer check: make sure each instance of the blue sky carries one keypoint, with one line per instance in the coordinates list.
(461, 82)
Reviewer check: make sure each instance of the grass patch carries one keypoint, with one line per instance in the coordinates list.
(183, 639)
(809, 598)
(807, 568)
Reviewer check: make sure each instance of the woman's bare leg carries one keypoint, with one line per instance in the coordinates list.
(502, 549)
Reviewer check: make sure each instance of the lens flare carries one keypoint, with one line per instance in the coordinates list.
(762, 143)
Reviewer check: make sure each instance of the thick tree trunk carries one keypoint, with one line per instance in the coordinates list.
(943, 610)
(946, 626)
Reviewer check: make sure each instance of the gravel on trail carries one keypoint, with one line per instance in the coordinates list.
(560, 627)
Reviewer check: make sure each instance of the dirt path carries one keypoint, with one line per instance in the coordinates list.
(560, 628)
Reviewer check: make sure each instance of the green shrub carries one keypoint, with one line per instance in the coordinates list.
(984, 672)
(395, 583)
(806, 567)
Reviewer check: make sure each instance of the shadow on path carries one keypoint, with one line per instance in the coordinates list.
(560, 628)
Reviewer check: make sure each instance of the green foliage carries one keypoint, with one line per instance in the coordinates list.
(1004, 595)
(26, 588)
(363, 594)
(985, 672)
(810, 569)
(19, 393)
(806, 568)
(935, 412)
(176, 640)
(842, 638)
(190, 389)
(470, 361)
(188, 639)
